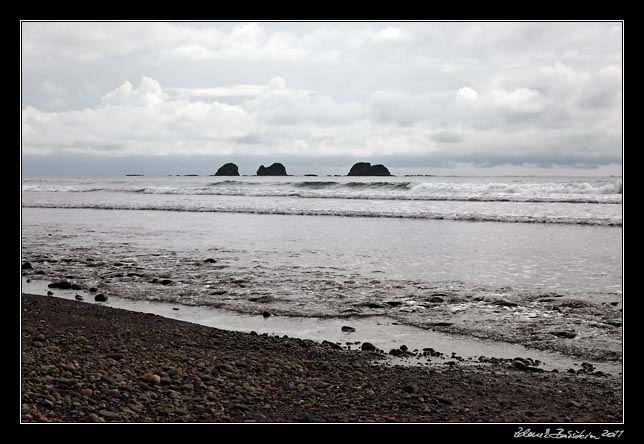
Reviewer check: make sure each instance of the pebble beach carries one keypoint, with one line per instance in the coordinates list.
(88, 363)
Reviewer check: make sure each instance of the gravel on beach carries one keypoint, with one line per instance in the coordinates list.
(84, 362)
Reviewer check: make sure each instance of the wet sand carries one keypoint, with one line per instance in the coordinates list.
(85, 362)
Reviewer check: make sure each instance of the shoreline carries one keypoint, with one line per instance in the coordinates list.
(89, 363)
(385, 332)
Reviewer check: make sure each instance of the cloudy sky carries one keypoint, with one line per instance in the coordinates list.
(422, 97)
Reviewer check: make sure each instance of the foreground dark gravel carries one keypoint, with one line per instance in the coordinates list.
(84, 362)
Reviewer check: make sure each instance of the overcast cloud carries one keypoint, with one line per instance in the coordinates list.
(538, 98)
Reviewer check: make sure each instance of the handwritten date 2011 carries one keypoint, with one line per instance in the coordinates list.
(566, 434)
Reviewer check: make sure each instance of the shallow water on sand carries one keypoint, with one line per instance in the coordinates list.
(381, 331)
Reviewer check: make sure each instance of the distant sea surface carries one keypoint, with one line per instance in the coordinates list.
(330, 246)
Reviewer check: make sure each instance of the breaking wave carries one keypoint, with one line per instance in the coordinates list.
(601, 192)
(380, 213)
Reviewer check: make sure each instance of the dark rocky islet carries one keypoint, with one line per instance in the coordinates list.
(276, 169)
(228, 169)
(366, 169)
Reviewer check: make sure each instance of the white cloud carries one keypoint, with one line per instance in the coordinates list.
(148, 94)
(222, 92)
(150, 120)
(467, 93)
(386, 34)
(522, 100)
(53, 43)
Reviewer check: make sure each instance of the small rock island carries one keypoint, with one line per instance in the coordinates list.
(229, 169)
(366, 169)
(277, 169)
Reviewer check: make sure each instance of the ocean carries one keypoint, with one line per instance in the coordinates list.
(515, 260)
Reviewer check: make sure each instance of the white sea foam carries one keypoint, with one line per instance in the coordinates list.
(600, 192)
(517, 200)
(532, 189)
(462, 215)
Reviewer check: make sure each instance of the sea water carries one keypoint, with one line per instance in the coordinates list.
(492, 249)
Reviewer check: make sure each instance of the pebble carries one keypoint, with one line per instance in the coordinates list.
(175, 372)
(436, 299)
(154, 379)
(92, 417)
(87, 392)
(409, 389)
(348, 329)
(108, 414)
(226, 368)
(50, 293)
(368, 346)
(266, 314)
(565, 334)
(331, 344)
(63, 285)
(26, 266)
(588, 366)
(303, 417)
(519, 365)
(100, 298)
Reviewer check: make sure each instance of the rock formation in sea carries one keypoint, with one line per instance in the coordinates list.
(366, 169)
(229, 169)
(277, 169)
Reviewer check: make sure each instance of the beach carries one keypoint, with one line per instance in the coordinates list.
(83, 362)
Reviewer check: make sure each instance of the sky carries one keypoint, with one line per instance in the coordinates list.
(471, 98)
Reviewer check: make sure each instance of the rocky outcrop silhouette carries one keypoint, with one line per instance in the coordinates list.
(229, 169)
(366, 169)
(277, 169)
